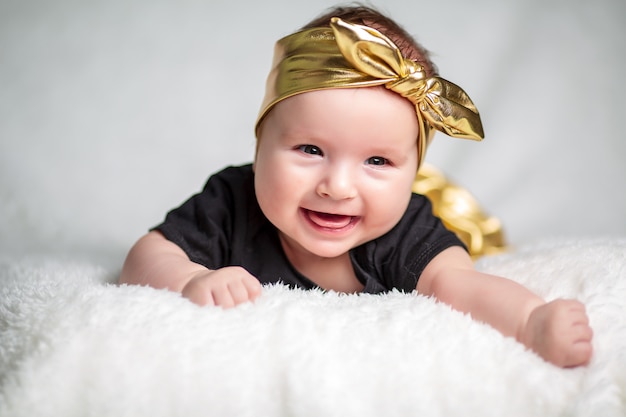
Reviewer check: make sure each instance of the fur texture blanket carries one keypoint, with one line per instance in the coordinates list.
(72, 343)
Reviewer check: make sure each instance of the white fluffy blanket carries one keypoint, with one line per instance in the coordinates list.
(72, 343)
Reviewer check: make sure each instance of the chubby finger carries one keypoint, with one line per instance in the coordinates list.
(575, 306)
(195, 292)
(248, 289)
(238, 292)
(579, 354)
(580, 318)
(582, 333)
(253, 287)
(222, 297)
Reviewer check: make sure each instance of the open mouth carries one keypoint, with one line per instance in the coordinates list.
(329, 221)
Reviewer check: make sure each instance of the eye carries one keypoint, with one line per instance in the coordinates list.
(377, 161)
(311, 150)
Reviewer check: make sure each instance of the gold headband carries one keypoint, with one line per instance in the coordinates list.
(349, 56)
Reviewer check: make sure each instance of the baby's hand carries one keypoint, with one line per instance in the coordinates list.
(559, 332)
(224, 287)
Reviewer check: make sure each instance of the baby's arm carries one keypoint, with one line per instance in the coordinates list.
(558, 331)
(159, 263)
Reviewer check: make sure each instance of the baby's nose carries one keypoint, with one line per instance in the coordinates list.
(338, 184)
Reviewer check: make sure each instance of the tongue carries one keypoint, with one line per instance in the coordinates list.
(331, 221)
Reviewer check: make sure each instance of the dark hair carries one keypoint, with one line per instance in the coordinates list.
(368, 16)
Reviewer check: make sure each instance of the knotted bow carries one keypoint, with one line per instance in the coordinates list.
(349, 56)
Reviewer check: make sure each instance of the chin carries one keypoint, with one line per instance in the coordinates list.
(328, 250)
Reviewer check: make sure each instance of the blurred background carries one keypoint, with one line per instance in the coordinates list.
(112, 112)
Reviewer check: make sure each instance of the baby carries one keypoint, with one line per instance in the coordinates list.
(351, 105)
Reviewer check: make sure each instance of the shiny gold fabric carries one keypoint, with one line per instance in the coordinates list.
(348, 56)
(460, 212)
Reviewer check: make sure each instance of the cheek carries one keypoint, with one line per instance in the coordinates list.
(387, 206)
(278, 175)
(276, 188)
(265, 186)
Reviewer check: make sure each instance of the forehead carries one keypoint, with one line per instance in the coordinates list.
(348, 108)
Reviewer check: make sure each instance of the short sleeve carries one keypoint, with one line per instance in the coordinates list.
(203, 226)
(397, 259)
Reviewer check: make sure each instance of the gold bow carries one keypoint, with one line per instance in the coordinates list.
(348, 56)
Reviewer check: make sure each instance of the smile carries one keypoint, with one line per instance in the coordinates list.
(330, 222)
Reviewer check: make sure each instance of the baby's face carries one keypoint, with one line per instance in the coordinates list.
(334, 168)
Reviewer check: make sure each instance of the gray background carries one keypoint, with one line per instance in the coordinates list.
(112, 112)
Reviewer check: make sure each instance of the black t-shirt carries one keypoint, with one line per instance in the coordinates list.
(224, 226)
